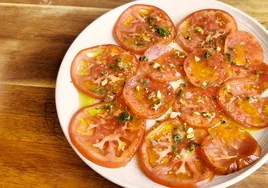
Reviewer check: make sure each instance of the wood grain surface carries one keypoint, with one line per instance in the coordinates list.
(34, 36)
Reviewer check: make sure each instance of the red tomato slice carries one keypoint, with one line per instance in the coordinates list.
(170, 155)
(142, 26)
(242, 100)
(229, 148)
(148, 98)
(107, 134)
(206, 68)
(243, 50)
(198, 107)
(206, 28)
(101, 71)
(155, 51)
(167, 67)
(252, 71)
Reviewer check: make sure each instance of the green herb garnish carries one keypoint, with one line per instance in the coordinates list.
(114, 67)
(192, 146)
(180, 92)
(99, 90)
(177, 138)
(150, 20)
(125, 116)
(162, 32)
(207, 54)
(143, 58)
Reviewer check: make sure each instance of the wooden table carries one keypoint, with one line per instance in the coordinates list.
(34, 36)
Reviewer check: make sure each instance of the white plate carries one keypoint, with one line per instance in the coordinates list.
(100, 32)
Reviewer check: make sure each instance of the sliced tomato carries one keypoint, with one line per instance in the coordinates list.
(206, 28)
(198, 107)
(243, 99)
(101, 71)
(243, 50)
(170, 155)
(107, 134)
(252, 71)
(148, 98)
(142, 26)
(166, 67)
(229, 148)
(155, 51)
(206, 68)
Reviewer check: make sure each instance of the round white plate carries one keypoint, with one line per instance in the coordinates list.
(100, 32)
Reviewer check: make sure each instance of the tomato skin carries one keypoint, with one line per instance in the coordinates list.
(190, 47)
(84, 143)
(143, 48)
(241, 109)
(228, 149)
(139, 101)
(159, 172)
(96, 70)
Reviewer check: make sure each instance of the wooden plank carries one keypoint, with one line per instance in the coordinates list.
(31, 164)
(256, 9)
(34, 41)
(80, 3)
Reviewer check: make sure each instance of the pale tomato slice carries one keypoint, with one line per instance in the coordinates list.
(107, 134)
(142, 26)
(243, 49)
(243, 99)
(206, 28)
(101, 71)
(205, 68)
(228, 148)
(198, 107)
(148, 98)
(170, 155)
(155, 51)
(166, 67)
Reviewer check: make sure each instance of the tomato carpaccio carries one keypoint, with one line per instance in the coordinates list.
(198, 107)
(243, 99)
(107, 134)
(206, 28)
(168, 66)
(170, 155)
(148, 98)
(101, 71)
(228, 148)
(142, 26)
(205, 68)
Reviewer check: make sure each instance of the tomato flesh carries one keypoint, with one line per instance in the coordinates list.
(148, 98)
(229, 148)
(107, 134)
(170, 155)
(142, 26)
(206, 28)
(101, 71)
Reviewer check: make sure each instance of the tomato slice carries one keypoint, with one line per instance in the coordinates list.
(107, 134)
(101, 71)
(228, 148)
(206, 68)
(206, 28)
(155, 51)
(170, 155)
(243, 49)
(167, 67)
(148, 98)
(142, 26)
(198, 107)
(243, 100)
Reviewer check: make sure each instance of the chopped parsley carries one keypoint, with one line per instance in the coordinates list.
(207, 54)
(139, 43)
(145, 82)
(143, 58)
(118, 59)
(124, 117)
(162, 32)
(175, 150)
(114, 67)
(180, 92)
(99, 90)
(104, 73)
(192, 146)
(150, 20)
(229, 57)
(177, 138)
